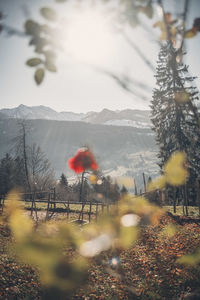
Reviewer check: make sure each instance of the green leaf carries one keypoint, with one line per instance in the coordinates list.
(50, 66)
(31, 27)
(39, 76)
(50, 55)
(46, 29)
(48, 13)
(32, 62)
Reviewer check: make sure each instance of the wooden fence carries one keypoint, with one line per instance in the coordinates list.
(51, 200)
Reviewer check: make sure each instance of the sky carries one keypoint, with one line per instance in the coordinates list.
(78, 85)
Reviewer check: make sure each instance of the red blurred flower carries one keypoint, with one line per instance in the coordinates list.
(83, 160)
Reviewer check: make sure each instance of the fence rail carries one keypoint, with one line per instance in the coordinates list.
(51, 201)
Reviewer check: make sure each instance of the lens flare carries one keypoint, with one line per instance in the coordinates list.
(130, 220)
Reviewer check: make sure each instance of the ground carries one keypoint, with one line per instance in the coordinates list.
(148, 270)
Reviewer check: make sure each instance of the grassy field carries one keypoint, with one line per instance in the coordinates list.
(73, 207)
(73, 214)
(193, 211)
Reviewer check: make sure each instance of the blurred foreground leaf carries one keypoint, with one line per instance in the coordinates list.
(192, 259)
(175, 170)
(39, 76)
(33, 62)
(48, 13)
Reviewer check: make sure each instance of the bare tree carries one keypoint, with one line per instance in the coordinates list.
(41, 174)
(21, 148)
(37, 169)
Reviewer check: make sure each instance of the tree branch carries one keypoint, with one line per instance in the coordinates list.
(125, 82)
(138, 51)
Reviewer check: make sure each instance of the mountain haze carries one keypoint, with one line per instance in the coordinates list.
(127, 117)
(122, 141)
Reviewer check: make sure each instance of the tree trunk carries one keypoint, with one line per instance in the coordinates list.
(174, 199)
(25, 156)
(81, 196)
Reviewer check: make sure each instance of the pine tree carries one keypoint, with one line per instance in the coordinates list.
(6, 174)
(19, 173)
(123, 191)
(174, 114)
(63, 181)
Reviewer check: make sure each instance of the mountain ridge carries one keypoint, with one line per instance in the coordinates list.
(126, 117)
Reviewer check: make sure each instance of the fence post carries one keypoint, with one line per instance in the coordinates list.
(68, 210)
(31, 205)
(144, 180)
(34, 196)
(107, 208)
(96, 211)
(54, 197)
(102, 207)
(198, 194)
(183, 200)
(174, 199)
(186, 200)
(135, 187)
(47, 212)
(90, 211)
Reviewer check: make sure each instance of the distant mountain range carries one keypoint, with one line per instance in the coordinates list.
(119, 150)
(127, 117)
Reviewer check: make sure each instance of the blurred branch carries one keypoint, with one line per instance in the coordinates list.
(26, 10)
(12, 31)
(139, 52)
(185, 12)
(167, 26)
(127, 83)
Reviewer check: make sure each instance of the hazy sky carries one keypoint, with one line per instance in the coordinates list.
(77, 86)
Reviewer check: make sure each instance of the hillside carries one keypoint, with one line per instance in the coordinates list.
(119, 150)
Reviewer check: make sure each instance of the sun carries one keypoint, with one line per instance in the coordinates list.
(89, 37)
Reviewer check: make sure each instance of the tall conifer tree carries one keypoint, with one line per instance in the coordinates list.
(174, 114)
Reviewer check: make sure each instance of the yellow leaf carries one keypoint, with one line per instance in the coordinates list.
(12, 202)
(93, 179)
(191, 33)
(158, 183)
(160, 24)
(182, 96)
(127, 236)
(173, 31)
(20, 225)
(175, 171)
(191, 259)
(169, 230)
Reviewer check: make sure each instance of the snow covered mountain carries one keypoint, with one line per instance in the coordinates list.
(40, 112)
(128, 117)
